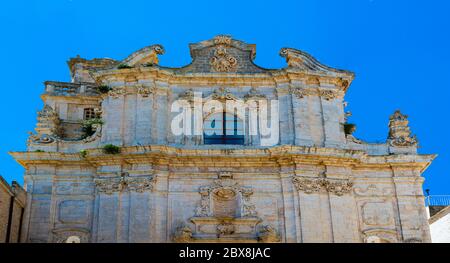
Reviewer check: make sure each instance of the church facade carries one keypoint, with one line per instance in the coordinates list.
(131, 151)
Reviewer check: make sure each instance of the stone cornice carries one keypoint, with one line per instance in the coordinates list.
(272, 77)
(280, 155)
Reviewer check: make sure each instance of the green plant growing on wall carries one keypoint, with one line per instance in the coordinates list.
(83, 153)
(103, 89)
(122, 66)
(349, 128)
(111, 149)
(88, 126)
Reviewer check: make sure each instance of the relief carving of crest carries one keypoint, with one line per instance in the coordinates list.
(377, 213)
(225, 198)
(222, 61)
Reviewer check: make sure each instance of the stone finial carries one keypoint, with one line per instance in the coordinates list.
(48, 121)
(48, 126)
(399, 131)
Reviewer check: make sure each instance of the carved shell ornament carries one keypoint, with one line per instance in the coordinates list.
(222, 61)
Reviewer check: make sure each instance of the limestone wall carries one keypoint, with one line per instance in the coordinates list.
(7, 193)
(317, 206)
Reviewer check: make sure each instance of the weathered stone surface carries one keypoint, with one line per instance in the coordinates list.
(12, 204)
(317, 184)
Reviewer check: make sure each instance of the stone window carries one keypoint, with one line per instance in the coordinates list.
(89, 113)
(73, 239)
(223, 128)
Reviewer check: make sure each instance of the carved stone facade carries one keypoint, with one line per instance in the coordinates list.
(317, 183)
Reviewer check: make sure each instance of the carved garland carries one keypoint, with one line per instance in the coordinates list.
(145, 91)
(117, 92)
(142, 90)
(326, 94)
(301, 92)
(124, 182)
(313, 185)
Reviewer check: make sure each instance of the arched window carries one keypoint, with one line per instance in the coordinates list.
(223, 128)
(73, 239)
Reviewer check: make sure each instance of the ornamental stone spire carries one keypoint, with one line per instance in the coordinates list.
(399, 131)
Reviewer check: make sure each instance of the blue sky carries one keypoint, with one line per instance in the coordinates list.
(399, 51)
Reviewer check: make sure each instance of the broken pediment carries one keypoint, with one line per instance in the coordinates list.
(302, 61)
(144, 56)
(221, 55)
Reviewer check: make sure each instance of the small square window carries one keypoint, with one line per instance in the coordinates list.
(89, 113)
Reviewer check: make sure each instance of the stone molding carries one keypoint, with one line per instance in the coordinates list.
(286, 155)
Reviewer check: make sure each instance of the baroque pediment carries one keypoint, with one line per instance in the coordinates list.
(222, 54)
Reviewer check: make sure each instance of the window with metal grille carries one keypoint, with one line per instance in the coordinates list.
(223, 128)
(89, 113)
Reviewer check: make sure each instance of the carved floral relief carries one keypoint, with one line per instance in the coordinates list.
(124, 182)
(313, 185)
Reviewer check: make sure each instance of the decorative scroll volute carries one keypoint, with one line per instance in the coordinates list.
(222, 61)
